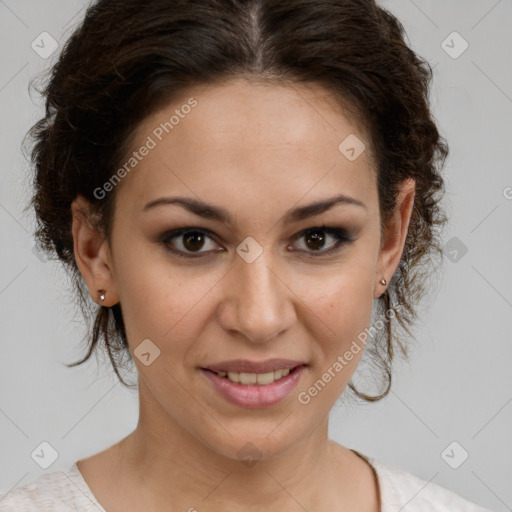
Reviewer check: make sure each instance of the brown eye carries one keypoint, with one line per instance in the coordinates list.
(189, 242)
(315, 240)
(193, 241)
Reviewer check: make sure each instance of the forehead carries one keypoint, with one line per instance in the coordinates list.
(270, 140)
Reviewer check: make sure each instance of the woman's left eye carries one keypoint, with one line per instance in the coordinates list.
(192, 240)
(316, 239)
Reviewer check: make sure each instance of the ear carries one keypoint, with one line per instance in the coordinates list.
(393, 241)
(92, 254)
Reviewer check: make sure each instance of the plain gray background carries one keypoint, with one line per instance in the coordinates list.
(457, 386)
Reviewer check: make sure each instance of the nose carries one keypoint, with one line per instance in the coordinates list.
(257, 303)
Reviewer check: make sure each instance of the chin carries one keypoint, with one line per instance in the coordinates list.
(265, 443)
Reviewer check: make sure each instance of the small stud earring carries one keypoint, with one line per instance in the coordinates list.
(383, 281)
(102, 294)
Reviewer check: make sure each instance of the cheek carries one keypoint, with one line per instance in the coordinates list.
(340, 301)
(161, 302)
(344, 312)
(338, 310)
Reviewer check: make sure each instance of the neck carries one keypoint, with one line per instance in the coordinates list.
(199, 473)
(165, 464)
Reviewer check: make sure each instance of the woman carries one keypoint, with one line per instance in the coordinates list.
(238, 184)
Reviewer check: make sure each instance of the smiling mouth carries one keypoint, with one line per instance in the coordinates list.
(255, 384)
(262, 379)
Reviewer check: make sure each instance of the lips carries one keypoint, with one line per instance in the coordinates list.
(247, 366)
(254, 384)
(255, 395)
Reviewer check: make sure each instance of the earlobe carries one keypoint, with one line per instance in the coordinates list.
(395, 235)
(92, 254)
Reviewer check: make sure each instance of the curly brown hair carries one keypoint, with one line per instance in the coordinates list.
(128, 58)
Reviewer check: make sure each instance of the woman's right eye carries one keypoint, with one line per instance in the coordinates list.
(188, 242)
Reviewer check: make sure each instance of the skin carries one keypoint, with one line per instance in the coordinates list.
(256, 150)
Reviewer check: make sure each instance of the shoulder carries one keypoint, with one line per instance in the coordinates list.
(57, 491)
(398, 488)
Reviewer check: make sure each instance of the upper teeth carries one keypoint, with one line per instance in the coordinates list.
(255, 378)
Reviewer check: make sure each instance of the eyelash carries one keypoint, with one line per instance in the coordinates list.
(341, 235)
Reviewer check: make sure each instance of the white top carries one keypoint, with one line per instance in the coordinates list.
(66, 491)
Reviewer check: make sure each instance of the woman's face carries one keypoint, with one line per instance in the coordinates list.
(248, 283)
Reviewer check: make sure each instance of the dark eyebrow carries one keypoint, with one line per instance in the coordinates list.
(303, 212)
(212, 212)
